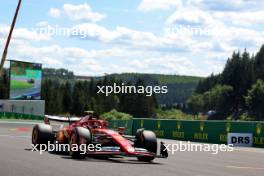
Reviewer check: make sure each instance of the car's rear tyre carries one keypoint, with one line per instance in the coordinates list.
(79, 136)
(147, 140)
(42, 134)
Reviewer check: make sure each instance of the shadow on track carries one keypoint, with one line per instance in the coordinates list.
(119, 160)
(91, 158)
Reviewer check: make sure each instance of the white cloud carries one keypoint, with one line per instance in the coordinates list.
(171, 64)
(130, 50)
(27, 35)
(94, 31)
(82, 12)
(190, 16)
(228, 31)
(215, 61)
(223, 40)
(98, 62)
(227, 5)
(53, 56)
(23, 34)
(242, 18)
(55, 13)
(131, 38)
(150, 5)
(42, 24)
(230, 24)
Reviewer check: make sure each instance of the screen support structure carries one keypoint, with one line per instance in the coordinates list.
(9, 37)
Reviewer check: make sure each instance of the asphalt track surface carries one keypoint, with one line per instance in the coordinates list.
(17, 159)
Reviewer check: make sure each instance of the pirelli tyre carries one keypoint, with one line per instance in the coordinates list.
(42, 134)
(147, 140)
(78, 137)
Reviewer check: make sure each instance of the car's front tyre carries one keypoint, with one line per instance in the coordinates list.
(147, 140)
(79, 137)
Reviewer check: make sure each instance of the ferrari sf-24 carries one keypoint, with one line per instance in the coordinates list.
(90, 130)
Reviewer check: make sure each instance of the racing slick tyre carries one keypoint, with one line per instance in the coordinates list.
(42, 134)
(147, 140)
(79, 136)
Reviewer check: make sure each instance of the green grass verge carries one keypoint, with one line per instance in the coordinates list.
(20, 85)
(14, 116)
(176, 114)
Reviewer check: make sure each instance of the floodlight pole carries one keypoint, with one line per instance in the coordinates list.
(9, 37)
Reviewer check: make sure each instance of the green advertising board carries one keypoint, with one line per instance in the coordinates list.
(201, 131)
(128, 124)
(197, 131)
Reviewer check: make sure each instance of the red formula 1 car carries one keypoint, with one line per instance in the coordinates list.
(89, 130)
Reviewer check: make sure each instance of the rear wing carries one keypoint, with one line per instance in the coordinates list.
(57, 122)
(62, 119)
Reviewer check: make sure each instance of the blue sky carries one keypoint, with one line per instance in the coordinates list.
(186, 37)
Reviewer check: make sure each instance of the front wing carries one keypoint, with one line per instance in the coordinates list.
(139, 152)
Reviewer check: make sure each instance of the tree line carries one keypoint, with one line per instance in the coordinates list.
(180, 88)
(63, 95)
(4, 82)
(236, 93)
(79, 96)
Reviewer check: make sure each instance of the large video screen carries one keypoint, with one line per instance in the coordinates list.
(25, 80)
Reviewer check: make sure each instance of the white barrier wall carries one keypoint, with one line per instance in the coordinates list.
(34, 107)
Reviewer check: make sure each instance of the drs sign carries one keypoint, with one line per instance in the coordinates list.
(240, 139)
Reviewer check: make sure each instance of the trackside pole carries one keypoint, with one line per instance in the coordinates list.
(9, 37)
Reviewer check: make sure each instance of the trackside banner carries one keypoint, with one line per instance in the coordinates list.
(240, 139)
(201, 131)
(198, 131)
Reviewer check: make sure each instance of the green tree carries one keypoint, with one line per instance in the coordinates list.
(255, 99)
(46, 95)
(93, 105)
(259, 64)
(239, 74)
(145, 105)
(66, 97)
(219, 99)
(115, 115)
(78, 99)
(196, 103)
(4, 81)
(208, 83)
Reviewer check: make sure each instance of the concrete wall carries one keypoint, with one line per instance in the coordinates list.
(33, 107)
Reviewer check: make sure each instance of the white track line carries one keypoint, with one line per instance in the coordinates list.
(11, 122)
(22, 136)
(251, 168)
(251, 150)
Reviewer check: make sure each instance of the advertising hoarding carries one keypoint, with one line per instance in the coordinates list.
(25, 80)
